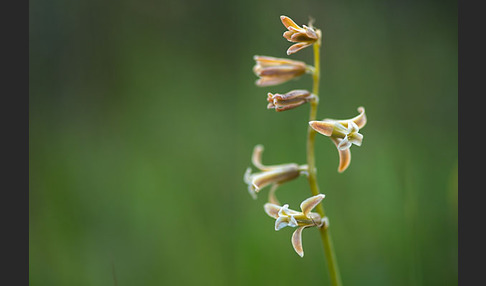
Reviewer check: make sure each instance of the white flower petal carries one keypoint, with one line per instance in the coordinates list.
(352, 127)
(281, 222)
(283, 210)
(338, 127)
(293, 221)
(251, 191)
(344, 144)
(356, 139)
(247, 176)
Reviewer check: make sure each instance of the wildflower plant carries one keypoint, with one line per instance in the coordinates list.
(343, 133)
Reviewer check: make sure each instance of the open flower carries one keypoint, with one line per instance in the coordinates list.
(287, 217)
(343, 133)
(270, 175)
(290, 100)
(273, 71)
(303, 36)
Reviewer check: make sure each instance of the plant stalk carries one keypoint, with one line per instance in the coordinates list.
(311, 133)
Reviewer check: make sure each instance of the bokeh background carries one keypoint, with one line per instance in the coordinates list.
(144, 114)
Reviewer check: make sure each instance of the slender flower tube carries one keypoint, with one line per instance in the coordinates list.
(289, 100)
(270, 175)
(303, 36)
(287, 217)
(274, 71)
(343, 134)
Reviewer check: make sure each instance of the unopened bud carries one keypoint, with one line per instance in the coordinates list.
(289, 100)
(273, 71)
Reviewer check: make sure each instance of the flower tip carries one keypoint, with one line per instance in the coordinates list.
(285, 20)
(343, 166)
(258, 148)
(271, 209)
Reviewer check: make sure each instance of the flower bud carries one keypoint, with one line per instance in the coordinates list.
(290, 100)
(273, 71)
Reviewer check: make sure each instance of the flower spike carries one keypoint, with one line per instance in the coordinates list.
(343, 134)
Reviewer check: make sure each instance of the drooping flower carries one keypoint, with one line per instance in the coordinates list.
(343, 134)
(273, 71)
(288, 217)
(289, 100)
(273, 175)
(303, 36)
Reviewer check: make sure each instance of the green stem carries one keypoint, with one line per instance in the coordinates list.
(325, 233)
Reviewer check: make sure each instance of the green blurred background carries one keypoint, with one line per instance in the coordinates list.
(144, 114)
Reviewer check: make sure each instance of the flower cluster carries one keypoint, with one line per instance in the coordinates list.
(343, 133)
(273, 71)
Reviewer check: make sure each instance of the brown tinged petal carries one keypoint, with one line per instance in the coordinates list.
(269, 81)
(361, 119)
(279, 175)
(266, 61)
(287, 106)
(344, 156)
(287, 22)
(297, 241)
(299, 37)
(308, 204)
(256, 158)
(297, 47)
(272, 209)
(323, 127)
(272, 198)
(294, 94)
